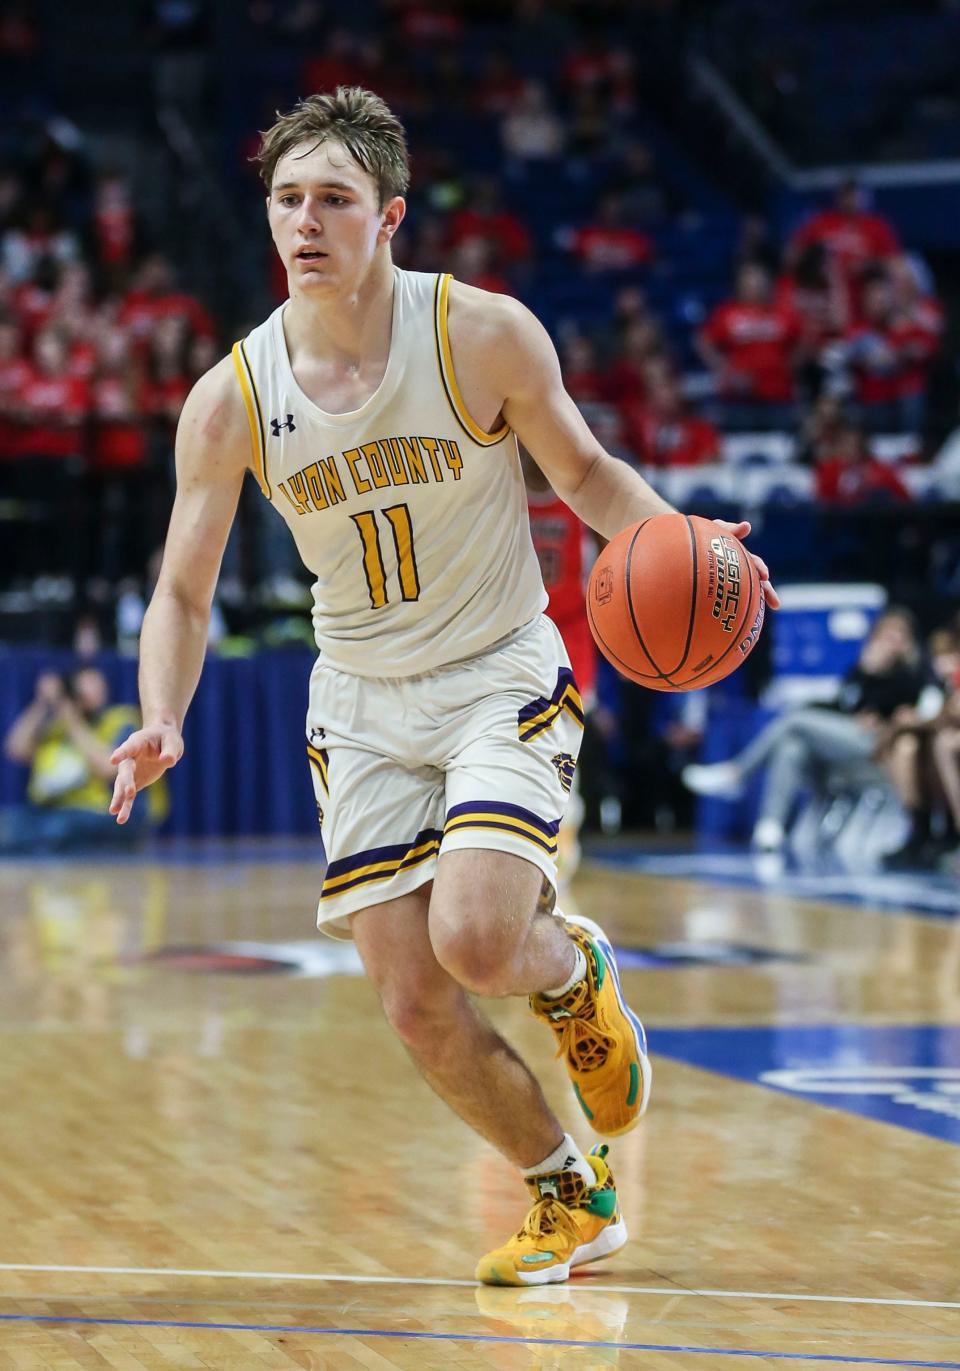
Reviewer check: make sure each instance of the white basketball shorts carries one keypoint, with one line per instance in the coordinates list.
(479, 754)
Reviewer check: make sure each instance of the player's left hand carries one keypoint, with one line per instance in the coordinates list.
(741, 531)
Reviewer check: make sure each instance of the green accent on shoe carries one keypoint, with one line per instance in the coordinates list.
(539, 1257)
(599, 1150)
(634, 1084)
(601, 964)
(603, 1202)
(582, 1102)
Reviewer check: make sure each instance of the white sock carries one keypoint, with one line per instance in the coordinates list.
(577, 974)
(565, 1157)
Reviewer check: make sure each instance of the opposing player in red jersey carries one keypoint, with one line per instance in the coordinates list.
(564, 548)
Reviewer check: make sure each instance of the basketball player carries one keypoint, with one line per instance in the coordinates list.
(379, 411)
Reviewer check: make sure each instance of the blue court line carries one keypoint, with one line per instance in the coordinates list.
(477, 1337)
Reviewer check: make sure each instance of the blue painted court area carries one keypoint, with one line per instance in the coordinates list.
(404, 1336)
(904, 1075)
(919, 892)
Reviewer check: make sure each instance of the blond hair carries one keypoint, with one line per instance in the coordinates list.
(359, 120)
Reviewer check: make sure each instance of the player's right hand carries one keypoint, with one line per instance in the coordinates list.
(141, 760)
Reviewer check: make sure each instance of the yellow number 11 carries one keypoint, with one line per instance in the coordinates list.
(398, 517)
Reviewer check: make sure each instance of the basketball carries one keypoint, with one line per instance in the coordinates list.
(675, 603)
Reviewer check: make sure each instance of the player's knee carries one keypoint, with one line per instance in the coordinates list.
(476, 952)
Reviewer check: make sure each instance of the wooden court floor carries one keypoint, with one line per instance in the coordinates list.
(213, 1155)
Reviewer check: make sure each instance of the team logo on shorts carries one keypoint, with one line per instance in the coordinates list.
(565, 766)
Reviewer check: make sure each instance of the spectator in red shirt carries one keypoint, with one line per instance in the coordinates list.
(55, 403)
(854, 238)
(751, 345)
(848, 474)
(663, 432)
(640, 343)
(609, 243)
(114, 226)
(116, 405)
(581, 373)
(14, 371)
(118, 456)
(473, 263)
(874, 355)
(75, 317)
(813, 290)
(152, 296)
(338, 65)
(485, 217)
(919, 326)
(167, 381)
(49, 470)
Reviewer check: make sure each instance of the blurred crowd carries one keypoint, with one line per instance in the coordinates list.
(830, 337)
(98, 349)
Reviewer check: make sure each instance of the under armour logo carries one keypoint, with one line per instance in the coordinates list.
(276, 425)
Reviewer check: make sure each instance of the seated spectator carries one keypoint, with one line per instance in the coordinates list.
(874, 353)
(337, 65)
(152, 296)
(75, 316)
(662, 431)
(751, 345)
(814, 292)
(531, 132)
(640, 344)
(55, 403)
(822, 427)
(65, 736)
(923, 756)
(473, 263)
(588, 126)
(167, 382)
(645, 197)
(484, 216)
(848, 474)
(609, 243)
(42, 236)
(946, 754)
(35, 300)
(854, 238)
(498, 86)
(582, 376)
(807, 746)
(919, 325)
(14, 371)
(114, 227)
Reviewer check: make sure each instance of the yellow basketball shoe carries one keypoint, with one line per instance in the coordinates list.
(600, 1037)
(570, 1224)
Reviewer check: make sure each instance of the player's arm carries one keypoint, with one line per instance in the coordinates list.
(521, 362)
(212, 453)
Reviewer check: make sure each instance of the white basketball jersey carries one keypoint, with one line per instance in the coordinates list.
(411, 518)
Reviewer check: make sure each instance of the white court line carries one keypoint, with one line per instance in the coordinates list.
(336, 1278)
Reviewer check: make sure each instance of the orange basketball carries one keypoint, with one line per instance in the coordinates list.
(674, 603)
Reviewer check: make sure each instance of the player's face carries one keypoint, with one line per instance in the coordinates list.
(326, 219)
